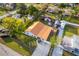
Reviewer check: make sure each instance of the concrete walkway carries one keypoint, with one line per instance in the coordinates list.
(5, 51)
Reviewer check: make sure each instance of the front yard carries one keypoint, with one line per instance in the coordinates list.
(22, 44)
(15, 46)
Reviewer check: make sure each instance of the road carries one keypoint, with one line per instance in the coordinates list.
(5, 51)
(8, 14)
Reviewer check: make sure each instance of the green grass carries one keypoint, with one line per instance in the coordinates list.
(70, 31)
(53, 40)
(71, 19)
(2, 13)
(13, 45)
(27, 39)
(52, 16)
(16, 47)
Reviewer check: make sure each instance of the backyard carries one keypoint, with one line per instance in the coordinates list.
(69, 31)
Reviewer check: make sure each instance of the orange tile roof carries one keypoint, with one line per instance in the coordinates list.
(40, 30)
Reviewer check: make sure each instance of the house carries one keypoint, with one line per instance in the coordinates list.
(53, 9)
(57, 23)
(10, 5)
(67, 12)
(39, 30)
(1, 4)
(30, 17)
(46, 18)
(71, 44)
(16, 16)
(77, 15)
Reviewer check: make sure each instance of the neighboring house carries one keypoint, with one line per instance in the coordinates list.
(30, 17)
(67, 12)
(3, 32)
(47, 19)
(57, 23)
(39, 30)
(10, 5)
(52, 9)
(71, 44)
(1, 4)
(16, 16)
(77, 15)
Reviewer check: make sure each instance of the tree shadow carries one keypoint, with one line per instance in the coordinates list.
(7, 39)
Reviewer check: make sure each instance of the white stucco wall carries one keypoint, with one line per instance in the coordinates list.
(29, 33)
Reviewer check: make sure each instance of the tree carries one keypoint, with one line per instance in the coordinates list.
(13, 25)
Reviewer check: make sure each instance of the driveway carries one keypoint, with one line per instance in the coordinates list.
(5, 51)
(42, 49)
(58, 51)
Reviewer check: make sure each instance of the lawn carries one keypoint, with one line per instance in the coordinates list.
(70, 31)
(15, 46)
(71, 19)
(51, 15)
(2, 13)
(27, 39)
(53, 40)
